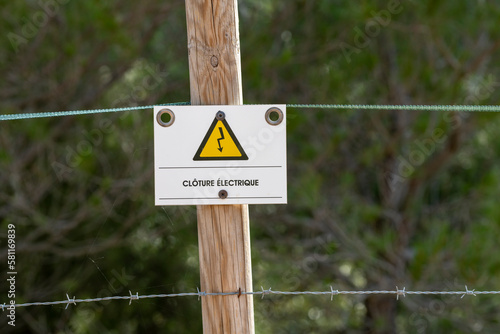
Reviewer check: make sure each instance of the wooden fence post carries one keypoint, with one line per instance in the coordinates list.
(223, 230)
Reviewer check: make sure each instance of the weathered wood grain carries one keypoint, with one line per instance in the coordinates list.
(223, 231)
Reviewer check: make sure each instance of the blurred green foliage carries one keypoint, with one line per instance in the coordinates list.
(376, 198)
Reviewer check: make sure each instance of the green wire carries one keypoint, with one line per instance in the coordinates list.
(10, 117)
(464, 108)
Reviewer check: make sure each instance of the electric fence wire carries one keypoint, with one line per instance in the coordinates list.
(457, 108)
(10, 117)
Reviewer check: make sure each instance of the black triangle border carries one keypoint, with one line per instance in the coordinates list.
(231, 134)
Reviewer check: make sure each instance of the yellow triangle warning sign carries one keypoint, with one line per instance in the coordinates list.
(220, 143)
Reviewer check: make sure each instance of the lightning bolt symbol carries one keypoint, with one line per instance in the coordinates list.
(221, 138)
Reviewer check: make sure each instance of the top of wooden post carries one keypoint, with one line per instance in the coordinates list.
(214, 52)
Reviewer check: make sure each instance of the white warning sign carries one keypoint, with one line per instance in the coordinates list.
(212, 155)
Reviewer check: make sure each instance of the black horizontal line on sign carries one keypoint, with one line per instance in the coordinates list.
(174, 198)
(254, 197)
(169, 198)
(186, 167)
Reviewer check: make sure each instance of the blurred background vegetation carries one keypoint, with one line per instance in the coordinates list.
(377, 199)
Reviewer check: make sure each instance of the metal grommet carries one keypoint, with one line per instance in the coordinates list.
(220, 115)
(165, 123)
(222, 194)
(274, 116)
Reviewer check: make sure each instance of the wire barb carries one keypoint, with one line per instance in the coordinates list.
(3, 307)
(70, 301)
(400, 292)
(265, 292)
(468, 292)
(336, 292)
(133, 297)
(203, 293)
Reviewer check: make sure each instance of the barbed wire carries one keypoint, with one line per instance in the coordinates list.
(397, 292)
